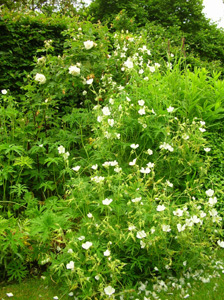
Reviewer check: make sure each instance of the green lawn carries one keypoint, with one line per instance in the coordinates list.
(36, 288)
(31, 289)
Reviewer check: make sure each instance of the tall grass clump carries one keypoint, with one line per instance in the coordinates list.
(114, 195)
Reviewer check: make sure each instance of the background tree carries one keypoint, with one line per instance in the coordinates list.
(43, 5)
(185, 18)
(183, 13)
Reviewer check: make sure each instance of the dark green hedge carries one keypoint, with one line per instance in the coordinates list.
(21, 36)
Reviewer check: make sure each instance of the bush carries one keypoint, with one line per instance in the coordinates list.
(117, 191)
(22, 34)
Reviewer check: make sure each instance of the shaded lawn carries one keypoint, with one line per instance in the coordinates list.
(36, 289)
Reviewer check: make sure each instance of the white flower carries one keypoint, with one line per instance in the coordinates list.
(73, 70)
(89, 215)
(150, 152)
(142, 111)
(145, 171)
(203, 214)
(131, 227)
(152, 230)
(166, 147)
(97, 277)
(87, 245)
(141, 102)
(106, 253)
(180, 227)
(132, 163)
(153, 112)
(169, 65)
(113, 163)
(111, 122)
(169, 183)
(66, 155)
(109, 290)
(195, 219)
(70, 251)
(170, 109)
(143, 49)
(88, 44)
(4, 92)
(89, 81)
(146, 78)
(178, 212)
(166, 228)
(202, 123)
(70, 265)
(71, 294)
(213, 212)
(212, 201)
(76, 168)
(84, 93)
(98, 179)
(55, 297)
(185, 136)
(106, 111)
(94, 167)
(106, 164)
(61, 149)
(81, 238)
(209, 193)
(134, 146)
(9, 294)
(117, 169)
(150, 165)
(143, 244)
(107, 201)
(128, 64)
(141, 234)
(220, 243)
(41, 60)
(141, 71)
(157, 65)
(186, 296)
(161, 207)
(99, 119)
(207, 149)
(152, 69)
(136, 199)
(202, 129)
(40, 78)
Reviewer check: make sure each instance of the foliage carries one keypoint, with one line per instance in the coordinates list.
(21, 35)
(47, 6)
(106, 167)
(175, 20)
(186, 14)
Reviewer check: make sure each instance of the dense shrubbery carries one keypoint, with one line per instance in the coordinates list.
(22, 34)
(105, 167)
(164, 20)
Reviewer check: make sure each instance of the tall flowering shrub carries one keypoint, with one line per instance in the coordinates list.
(123, 178)
(138, 204)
